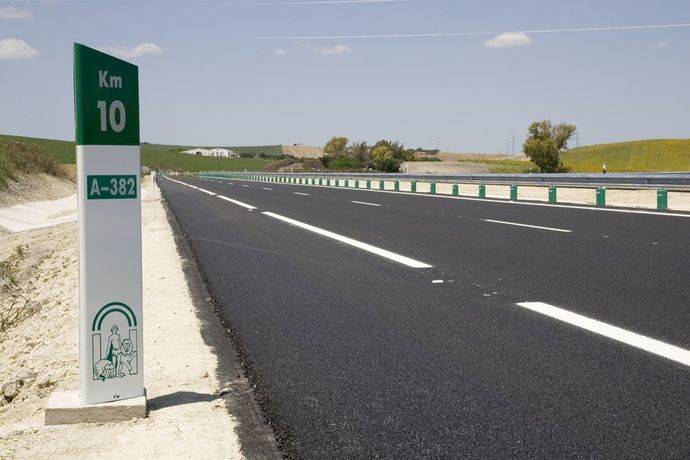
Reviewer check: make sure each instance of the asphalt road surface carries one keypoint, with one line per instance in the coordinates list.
(397, 325)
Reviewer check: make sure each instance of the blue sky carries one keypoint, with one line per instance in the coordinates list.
(231, 72)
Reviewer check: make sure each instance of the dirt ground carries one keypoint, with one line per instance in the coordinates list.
(188, 416)
(35, 187)
(444, 167)
(303, 151)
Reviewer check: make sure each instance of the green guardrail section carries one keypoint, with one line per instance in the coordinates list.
(600, 197)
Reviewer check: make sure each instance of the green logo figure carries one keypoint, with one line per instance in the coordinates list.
(121, 354)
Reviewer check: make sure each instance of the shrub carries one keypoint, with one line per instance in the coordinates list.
(344, 163)
(15, 302)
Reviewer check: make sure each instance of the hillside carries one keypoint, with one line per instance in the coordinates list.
(28, 172)
(165, 156)
(663, 155)
(303, 151)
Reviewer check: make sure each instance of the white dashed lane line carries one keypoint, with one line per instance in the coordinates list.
(302, 194)
(238, 203)
(352, 242)
(365, 203)
(517, 224)
(642, 342)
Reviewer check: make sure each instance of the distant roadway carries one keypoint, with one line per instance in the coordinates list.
(383, 324)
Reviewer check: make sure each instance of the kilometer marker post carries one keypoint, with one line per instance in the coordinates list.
(106, 94)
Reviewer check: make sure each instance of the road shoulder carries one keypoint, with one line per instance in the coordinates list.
(199, 404)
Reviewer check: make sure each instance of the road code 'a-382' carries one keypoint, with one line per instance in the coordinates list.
(106, 91)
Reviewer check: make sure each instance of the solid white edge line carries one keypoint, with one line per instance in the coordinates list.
(358, 244)
(238, 203)
(527, 225)
(300, 193)
(642, 342)
(365, 203)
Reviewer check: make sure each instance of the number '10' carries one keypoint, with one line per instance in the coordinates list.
(112, 116)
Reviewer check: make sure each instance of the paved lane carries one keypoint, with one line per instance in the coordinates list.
(357, 355)
(629, 269)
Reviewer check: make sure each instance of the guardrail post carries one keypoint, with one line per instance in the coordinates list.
(662, 199)
(513, 192)
(396, 185)
(456, 190)
(432, 188)
(553, 194)
(382, 184)
(368, 184)
(413, 186)
(482, 191)
(601, 197)
(357, 183)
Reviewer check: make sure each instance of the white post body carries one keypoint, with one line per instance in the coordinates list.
(111, 353)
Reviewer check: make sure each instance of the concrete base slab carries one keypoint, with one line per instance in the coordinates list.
(65, 408)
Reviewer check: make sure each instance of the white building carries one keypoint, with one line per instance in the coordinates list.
(214, 152)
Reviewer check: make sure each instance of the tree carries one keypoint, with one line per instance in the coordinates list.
(545, 143)
(382, 158)
(359, 151)
(336, 147)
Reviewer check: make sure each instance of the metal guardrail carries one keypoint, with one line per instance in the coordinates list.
(675, 181)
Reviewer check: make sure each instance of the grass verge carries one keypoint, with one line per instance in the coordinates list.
(663, 155)
(17, 158)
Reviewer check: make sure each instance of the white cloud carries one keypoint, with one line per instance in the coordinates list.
(14, 48)
(337, 49)
(132, 53)
(279, 52)
(10, 12)
(509, 40)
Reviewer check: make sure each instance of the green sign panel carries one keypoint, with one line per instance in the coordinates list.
(111, 187)
(106, 94)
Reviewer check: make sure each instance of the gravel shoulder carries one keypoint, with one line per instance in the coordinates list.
(200, 405)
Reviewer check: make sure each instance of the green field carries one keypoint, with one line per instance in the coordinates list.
(664, 155)
(171, 160)
(166, 156)
(267, 150)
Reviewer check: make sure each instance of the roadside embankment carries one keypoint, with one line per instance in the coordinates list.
(193, 395)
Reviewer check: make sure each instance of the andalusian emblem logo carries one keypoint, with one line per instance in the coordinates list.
(114, 342)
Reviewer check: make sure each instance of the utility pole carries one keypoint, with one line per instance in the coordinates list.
(513, 144)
